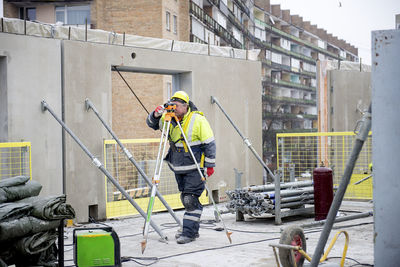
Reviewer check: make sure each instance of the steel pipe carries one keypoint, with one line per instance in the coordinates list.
(337, 201)
(245, 139)
(339, 219)
(270, 187)
(98, 164)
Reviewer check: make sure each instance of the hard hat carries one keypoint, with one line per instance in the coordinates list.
(182, 96)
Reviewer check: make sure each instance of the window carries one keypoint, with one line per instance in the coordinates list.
(175, 21)
(167, 21)
(30, 13)
(73, 15)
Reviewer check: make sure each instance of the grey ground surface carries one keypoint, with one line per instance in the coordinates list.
(251, 239)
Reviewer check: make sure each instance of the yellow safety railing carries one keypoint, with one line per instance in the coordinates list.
(300, 153)
(15, 159)
(144, 152)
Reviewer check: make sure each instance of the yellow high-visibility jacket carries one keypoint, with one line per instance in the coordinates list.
(200, 138)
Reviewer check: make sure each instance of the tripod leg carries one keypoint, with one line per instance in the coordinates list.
(156, 180)
(228, 234)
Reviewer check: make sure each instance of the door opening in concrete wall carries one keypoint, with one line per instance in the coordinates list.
(128, 114)
(129, 124)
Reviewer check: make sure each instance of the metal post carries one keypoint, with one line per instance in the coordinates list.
(291, 172)
(245, 139)
(385, 80)
(89, 105)
(360, 139)
(238, 178)
(339, 219)
(86, 30)
(278, 218)
(98, 164)
(61, 243)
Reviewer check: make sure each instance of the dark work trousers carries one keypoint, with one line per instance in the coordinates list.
(191, 187)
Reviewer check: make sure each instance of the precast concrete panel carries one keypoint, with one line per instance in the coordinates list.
(386, 145)
(349, 93)
(236, 84)
(33, 73)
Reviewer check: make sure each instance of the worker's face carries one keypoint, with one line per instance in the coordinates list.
(181, 109)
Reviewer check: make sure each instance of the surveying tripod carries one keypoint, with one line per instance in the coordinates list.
(169, 116)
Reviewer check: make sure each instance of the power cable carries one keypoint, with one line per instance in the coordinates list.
(173, 225)
(349, 258)
(122, 77)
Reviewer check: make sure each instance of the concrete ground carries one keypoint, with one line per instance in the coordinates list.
(251, 239)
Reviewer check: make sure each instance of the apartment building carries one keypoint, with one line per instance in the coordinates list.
(289, 51)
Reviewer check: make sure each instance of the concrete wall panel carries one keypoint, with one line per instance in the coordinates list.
(236, 83)
(34, 73)
(33, 68)
(349, 91)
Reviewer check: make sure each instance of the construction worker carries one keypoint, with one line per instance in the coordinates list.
(201, 141)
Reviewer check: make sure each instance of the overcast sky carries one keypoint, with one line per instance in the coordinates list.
(350, 20)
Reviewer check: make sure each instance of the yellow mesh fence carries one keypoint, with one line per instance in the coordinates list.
(300, 153)
(144, 152)
(15, 159)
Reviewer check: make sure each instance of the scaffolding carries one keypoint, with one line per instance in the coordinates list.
(145, 153)
(15, 159)
(299, 153)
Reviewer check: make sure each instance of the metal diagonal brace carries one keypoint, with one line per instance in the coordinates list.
(45, 107)
(245, 139)
(90, 105)
(337, 200)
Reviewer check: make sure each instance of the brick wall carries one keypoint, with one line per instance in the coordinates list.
(128, 116)
(184, 21)
(10, 10)
(139, 17)
(145, 18)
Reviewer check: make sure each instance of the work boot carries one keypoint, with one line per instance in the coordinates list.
(184, 239)
(179, 234)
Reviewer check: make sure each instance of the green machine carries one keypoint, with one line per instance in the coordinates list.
(96, 247)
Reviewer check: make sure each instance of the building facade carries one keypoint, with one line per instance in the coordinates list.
(289, 51)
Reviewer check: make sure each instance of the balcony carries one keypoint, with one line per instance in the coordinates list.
(289, 100)
(199, 13)
(295, 130)
(288, 116)
(243, 7)
(297, 39)
(195, 39)
(267, 80)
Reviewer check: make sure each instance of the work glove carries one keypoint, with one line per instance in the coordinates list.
(210, 171)
(158, 111)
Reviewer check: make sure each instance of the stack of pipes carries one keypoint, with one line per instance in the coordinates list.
(256, 200)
